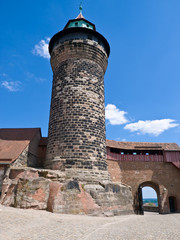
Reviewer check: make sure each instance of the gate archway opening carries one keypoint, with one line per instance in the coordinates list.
(139, 202)
(150, 199)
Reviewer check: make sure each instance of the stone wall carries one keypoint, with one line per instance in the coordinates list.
(42, 155)
(33, 151)
(76, 137)
(1, 177)
(30, 155)
(163, 177)
(150, 209)
(26, 159)
(22, 160)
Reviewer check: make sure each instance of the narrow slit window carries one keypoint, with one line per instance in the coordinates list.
(114, 150)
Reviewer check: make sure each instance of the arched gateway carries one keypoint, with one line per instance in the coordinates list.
(156, 165)
(138, 197)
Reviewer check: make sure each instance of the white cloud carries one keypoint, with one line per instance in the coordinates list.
(154, 127)
(11, 86)
(120, 140)
(41, 49)
(114, 115)
(123, 140)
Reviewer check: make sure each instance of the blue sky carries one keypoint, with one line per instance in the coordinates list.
(148, 192)
(142, 81)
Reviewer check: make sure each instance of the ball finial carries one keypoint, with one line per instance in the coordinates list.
(80, 7)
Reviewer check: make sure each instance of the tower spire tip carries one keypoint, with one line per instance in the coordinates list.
(80, 7)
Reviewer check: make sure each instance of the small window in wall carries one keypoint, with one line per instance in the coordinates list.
(114, 150)
(76, 24)
(87, 25)
(134, 153)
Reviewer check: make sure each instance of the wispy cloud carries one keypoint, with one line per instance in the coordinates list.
(32, 76)
(154, 127)
(121, 140)
(11, 86)
(3, 75)
(41, 49)
(114, 115)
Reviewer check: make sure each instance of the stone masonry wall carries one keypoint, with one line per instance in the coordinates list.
(164, 176)
(33, 154)
(25, 159)
(22, 160)
(1, 177)
(77, 118)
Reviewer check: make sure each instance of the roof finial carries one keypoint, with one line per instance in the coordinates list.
(80, 14)
(80, 7)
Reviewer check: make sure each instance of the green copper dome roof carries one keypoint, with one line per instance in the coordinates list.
(80, 21)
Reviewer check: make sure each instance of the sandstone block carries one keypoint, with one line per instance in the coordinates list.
(16, 173)
(32, 193)
(55, 196)
(8, 192)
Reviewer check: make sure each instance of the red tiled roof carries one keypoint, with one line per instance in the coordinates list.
(142, 145)
(18, 133)
(133, 145)
(14, 141)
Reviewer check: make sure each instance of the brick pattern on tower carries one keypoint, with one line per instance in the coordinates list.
(76, 136)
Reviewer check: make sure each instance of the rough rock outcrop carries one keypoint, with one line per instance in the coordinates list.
(50, 190)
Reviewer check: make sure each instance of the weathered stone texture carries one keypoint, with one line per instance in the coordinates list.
(22, 160)
(32, 193)
(50, 190)
(163, 177)
(26, 159)
(1, 177)
(77, 121)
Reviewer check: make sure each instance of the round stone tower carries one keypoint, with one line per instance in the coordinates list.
(76, 136)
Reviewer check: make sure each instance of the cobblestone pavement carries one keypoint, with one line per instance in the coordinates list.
(19, 224)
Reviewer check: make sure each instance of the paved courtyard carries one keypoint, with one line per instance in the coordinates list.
(19, 224)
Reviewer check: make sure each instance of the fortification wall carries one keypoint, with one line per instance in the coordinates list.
(165, 177)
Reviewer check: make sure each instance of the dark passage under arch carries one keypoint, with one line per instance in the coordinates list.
(172, 204)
